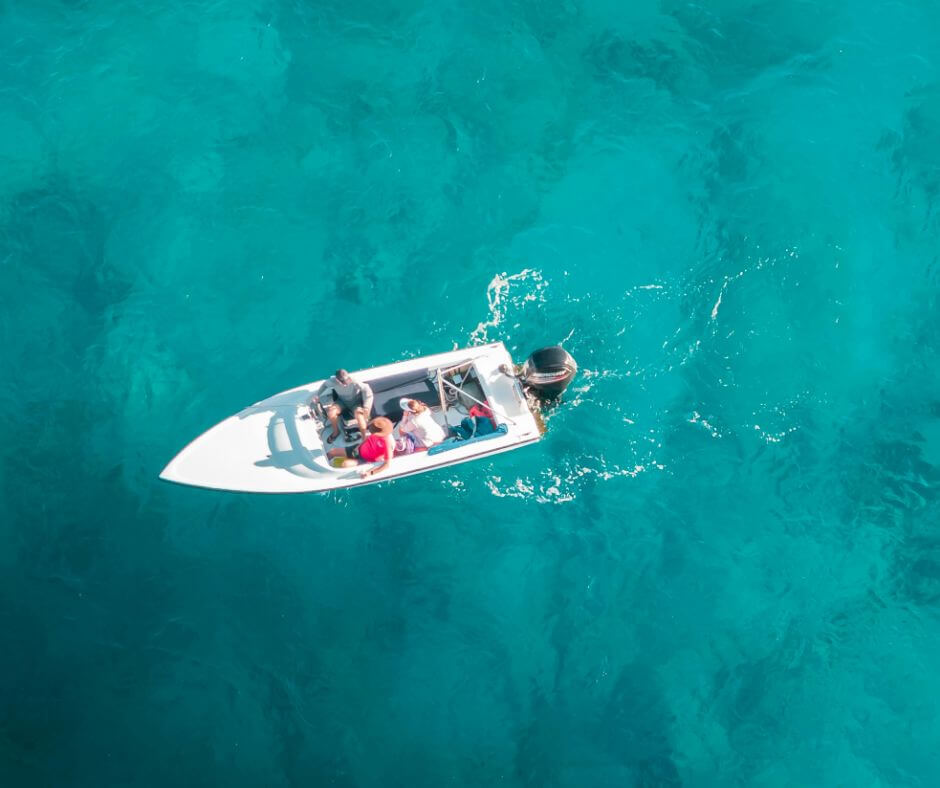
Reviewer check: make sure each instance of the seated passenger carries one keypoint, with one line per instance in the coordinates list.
(418, 422)
(346, 397)
(480, 422)
(377, 445)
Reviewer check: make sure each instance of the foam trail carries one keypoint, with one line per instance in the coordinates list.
(496, 295)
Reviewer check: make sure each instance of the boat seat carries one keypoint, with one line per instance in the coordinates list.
(388, 392)
(348, 424)
(350, 428)
(454, 443)
(390, 406)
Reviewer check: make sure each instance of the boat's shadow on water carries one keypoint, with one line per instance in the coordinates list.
(287, 450)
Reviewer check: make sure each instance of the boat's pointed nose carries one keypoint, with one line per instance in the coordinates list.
(258, 450)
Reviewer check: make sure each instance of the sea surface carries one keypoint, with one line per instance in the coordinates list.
(720, 567)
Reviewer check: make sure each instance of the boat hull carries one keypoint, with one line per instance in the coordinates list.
(274, 446)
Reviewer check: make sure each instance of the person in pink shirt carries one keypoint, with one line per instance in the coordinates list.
(377, 446)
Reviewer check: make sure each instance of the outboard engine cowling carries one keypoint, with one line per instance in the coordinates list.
(548, 371)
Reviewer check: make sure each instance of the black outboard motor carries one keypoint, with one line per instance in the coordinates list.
(548, 371)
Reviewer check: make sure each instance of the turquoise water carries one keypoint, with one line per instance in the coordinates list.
(721, 567)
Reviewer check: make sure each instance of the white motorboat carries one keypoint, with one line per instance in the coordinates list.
(279, 445)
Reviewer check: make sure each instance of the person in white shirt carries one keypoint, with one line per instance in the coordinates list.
(418, 420)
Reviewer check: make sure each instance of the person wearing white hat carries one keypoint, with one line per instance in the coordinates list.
(418, 421)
